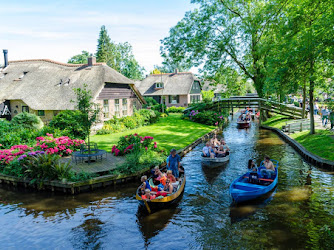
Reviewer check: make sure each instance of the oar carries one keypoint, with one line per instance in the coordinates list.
(147, 206)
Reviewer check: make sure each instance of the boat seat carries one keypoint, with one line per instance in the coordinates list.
(249, 185)
(261, 179)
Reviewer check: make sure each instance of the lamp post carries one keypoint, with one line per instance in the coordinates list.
(162, 96)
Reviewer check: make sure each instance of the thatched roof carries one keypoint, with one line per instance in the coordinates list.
(211, 85)
(48, 85)
(174, 84)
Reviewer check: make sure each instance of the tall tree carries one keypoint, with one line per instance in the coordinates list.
(118, 56)
(226, 32)
(80, 58)
(103, 46)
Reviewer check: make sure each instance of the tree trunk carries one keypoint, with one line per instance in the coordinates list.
(304, 101)
(312, 129)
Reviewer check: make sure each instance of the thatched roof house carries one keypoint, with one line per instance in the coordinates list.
(45, 85)
(178, 89)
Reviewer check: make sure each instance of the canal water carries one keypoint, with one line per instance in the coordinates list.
(297, 214)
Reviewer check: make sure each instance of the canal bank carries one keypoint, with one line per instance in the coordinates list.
(297, 215)
(307, 155)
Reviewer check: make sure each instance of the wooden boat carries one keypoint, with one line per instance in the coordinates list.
(243, 124)
(216, 160)
(163, 202)
(241, 190)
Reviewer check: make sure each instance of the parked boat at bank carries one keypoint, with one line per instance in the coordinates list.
(242, 190)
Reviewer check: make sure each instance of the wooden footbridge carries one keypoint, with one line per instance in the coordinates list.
(258, 103)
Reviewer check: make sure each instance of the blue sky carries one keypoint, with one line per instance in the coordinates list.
(59, 29)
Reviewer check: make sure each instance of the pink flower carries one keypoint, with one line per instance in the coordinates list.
(146, 148)
(155, 146)
(216, 123)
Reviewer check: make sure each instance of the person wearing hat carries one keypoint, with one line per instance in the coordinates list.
(174, 163)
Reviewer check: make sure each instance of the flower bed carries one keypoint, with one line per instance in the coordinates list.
(25, 161)
(207, 117)
(141, 152)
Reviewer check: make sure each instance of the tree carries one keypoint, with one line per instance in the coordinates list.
(89, 110)
(207, 95)
(103, 46)
(155, 72)
(80, 58)
(118, 56)
(234, 33)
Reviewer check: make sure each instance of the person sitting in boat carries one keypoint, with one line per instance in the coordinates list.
(168, 188)
(225, 147)
(148, 195)
(145, 185)
(270, 168)
(157, 186)
(174, 162)
(251, 164)
(208, 151)
(170, 176)
(214, 141)
(160, 175)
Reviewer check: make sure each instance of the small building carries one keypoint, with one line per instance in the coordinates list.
(176, 89)
(45, 87)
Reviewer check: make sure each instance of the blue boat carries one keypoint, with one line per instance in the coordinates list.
(242, 190)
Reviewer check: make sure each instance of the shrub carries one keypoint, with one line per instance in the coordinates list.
(149, 102)
(175, 109)
(207, 95)
(159, 107)
(67, 121)
(163, 115)
(207, 117)
(28, 121)
(129, 122)
(103, 132)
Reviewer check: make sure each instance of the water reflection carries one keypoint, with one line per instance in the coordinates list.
(211, 173)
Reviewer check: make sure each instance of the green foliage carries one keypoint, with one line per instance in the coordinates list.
(28, 121)
(129, 122)
(149, 102)
(104, 131)
(69, 122)
(207, 95)
(175, 109)
(80, 58)
(118, 56)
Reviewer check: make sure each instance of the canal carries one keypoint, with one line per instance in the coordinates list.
(297, 214)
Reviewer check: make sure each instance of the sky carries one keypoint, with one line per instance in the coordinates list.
(57, 30)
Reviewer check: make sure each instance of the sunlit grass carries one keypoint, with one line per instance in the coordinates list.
(276, 121)
(169, 132)
(321, 143)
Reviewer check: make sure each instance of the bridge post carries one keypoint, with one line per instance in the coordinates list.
(260, 112)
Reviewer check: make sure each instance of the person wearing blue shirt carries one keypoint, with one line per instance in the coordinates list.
(173, 163)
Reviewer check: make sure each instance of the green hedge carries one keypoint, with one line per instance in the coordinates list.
(140, 118)
(175, 109)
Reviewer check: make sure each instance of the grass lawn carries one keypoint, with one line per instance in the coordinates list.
(276, 121)
(321, 143)
(169, 132)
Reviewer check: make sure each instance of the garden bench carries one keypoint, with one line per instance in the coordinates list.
(88, 151)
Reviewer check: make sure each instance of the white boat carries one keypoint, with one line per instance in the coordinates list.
(216, 160)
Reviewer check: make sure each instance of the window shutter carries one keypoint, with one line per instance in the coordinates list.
(178, 99)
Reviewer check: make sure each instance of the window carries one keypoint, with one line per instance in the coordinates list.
(125, 107)
(194, 98)
(25, 109)
(117, 107)
(173, 99)
(40, 112)
(106, 108)
(159, 85)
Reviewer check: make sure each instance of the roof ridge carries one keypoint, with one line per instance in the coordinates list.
(171, 73)
(55, 62)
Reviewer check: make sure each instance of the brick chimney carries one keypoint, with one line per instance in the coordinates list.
(5, 54)
(91, 61)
